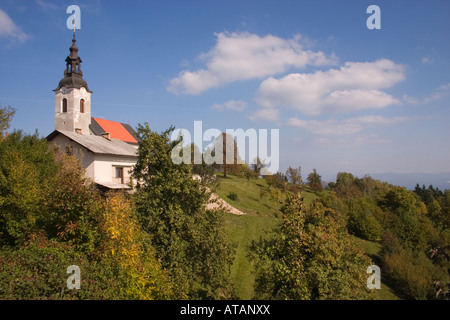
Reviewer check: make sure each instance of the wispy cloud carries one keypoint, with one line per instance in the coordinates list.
(327, 127)
(377, 120)
(8, 29)
(270, 114)
(234, 105)
(427, 60)
(353, 142)
(344, 127)
(244, 56)
(46, 5)
(437, 94)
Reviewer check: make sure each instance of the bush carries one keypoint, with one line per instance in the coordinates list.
(232, 196)
(411, 275)
(365, 226)
(362, 222)
(37, 271)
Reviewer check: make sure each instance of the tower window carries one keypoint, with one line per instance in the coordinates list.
(64, 106)
(82, 105)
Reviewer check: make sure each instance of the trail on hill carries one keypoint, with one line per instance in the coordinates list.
(216, 202)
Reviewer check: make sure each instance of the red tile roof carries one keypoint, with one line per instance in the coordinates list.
(117, 130)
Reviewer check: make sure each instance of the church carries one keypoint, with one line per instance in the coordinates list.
(107, 149)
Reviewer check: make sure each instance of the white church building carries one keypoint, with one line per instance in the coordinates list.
(107, 149)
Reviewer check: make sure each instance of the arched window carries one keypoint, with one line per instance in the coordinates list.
(64, 106)
(82, 105)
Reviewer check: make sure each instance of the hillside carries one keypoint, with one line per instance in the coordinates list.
(262, 214)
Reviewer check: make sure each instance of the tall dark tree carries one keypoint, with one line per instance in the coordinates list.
(315, 180)
(229, 161)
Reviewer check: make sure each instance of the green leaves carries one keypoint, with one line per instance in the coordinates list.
(170, 205)
(312, 257)
(6, 114)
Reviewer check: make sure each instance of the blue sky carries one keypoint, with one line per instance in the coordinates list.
(345, 98)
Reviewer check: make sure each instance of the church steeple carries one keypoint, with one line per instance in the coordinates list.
(73, 76)
(73, 97)
(73, 61)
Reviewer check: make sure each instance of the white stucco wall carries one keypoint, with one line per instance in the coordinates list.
(72, 119)
(99, 167)
(86, 156)
(104, 164)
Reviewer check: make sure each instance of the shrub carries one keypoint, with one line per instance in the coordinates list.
(232, 196)
(362, 222)
(411, 274)
(38, 271)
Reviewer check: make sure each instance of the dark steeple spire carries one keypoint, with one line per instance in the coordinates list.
(73, 76)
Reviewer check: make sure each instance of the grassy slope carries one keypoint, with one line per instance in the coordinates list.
(262, 215)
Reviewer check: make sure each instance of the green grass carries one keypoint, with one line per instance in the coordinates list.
(372, 249)
(262, 214)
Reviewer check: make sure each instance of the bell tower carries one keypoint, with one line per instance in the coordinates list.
(73, 97)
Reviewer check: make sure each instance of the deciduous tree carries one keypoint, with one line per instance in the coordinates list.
(310, 258)
(189, 240)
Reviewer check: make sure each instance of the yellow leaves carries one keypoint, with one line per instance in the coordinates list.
(125, 242)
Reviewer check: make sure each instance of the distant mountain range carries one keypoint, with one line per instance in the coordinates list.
(409, 180)
(440, 180)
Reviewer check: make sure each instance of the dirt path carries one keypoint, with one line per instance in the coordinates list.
(216, 202)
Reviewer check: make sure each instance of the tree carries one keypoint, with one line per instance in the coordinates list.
(277, 180)
(315, 181)
(361, 220)
(311, 258)
(129, 246)
(189, 240)
(73, 206)
(257, 166)
(205, 171)
(346, 185)
(27, 165)
(248, 173)
(294, 175)
(226, 141)
(6, 115)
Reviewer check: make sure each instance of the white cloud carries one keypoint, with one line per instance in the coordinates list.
(9, 29)
(267, 114)
(244, 56)
(235, 105)
(347, 126)
(411, 100)
(354, 86)
(439, 93)
(436, 94)
(374, 120)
